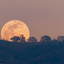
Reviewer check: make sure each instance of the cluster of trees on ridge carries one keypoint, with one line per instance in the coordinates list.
(33, 39)
(48, 51)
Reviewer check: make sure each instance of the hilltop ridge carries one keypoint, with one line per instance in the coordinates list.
(32, 53)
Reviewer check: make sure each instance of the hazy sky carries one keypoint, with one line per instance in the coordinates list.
(43, 17)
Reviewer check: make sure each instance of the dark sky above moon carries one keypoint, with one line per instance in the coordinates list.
(43, 17)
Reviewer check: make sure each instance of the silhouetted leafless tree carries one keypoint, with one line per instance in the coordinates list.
(32, 39)
(22, 38)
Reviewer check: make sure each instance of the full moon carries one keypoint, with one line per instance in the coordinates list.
(14, 28)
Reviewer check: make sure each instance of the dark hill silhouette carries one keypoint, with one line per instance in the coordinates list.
(51, 52)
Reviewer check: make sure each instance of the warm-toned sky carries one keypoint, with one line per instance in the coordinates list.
(43, 17)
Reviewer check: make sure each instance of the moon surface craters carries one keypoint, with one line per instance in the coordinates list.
(14, 27)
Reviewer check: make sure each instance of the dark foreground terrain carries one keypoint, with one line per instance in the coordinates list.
(31, 53)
